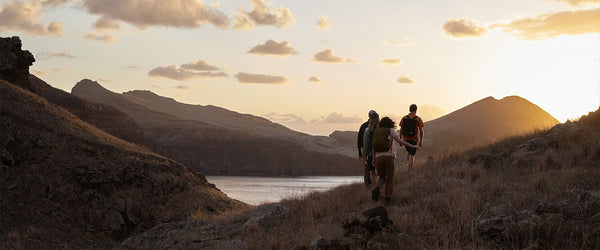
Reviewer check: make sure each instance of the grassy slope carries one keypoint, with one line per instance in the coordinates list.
(440, 205)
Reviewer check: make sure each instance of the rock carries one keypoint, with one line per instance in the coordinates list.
(377, 211)
(113, 220)
(318, 243)
(268, 216)
(14, 62)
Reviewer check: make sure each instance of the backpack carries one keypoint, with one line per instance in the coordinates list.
(368, 142)
(382, 140)
(409, 126)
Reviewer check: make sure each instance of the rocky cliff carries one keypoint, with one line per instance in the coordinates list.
(14, 68)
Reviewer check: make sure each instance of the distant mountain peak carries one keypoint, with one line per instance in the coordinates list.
(146, 94)
(89, 85)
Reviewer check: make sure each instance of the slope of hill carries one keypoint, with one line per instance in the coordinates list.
(65, 183)
(16, 70)
(535, 191)
(217, 141)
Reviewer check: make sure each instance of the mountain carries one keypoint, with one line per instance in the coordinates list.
(67, 184)
(479, 123)
(214, 140)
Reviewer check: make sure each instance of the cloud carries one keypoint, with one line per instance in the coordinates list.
(405, 79)
(260, 78)
(391, 61)
(578, 2)
(261, 15)
(552, 25)
(242, 21)
(286, 118)
(106, 23)
(183, 87)
(314, 79)
(463, 28)
(272, 47)
(47, 55)
(200, 65)
(55, 3)
(401, 42)
(103, 38)
(327, 56)
(323, 22)
(145, 13)
(23, 16)
(59, 70)
(103, 80)
(37, 72)
(175, 72)
(337, 118)
(132, 67)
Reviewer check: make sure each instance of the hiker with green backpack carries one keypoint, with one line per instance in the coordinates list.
(384, 154)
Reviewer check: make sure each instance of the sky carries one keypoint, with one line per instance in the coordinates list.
(320, 66)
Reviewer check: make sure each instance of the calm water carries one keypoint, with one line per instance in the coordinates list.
(257, 190)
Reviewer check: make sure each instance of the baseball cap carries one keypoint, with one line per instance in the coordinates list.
(373, 114)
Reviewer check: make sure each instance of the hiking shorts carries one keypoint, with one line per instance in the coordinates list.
(411, 151)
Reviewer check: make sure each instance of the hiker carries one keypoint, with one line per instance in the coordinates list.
(384, 154)
(359, 142)
(411, 128)
(368, 148)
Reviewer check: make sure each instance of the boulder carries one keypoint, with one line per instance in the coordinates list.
(14, 62)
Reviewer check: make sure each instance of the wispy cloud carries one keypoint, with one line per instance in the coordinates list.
(337, 118)
(404, 79)
(183, 87)
(261, 79)
(47, 55)
(100, 38)
(284, 118)
(145, 13)
(106, 24)
(391, 61)
(272, 47)
(103, 80)
(552, 25)
(324, 23)
(24, 16)
(200, 65)
(401, 42)
(327, 56)
(463, 28)
(175, 72)
(314, 79)
(578, 2)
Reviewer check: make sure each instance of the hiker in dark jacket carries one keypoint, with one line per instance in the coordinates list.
(359, 142)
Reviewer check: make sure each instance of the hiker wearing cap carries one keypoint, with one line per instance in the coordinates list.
(411, 128)
(367, 161)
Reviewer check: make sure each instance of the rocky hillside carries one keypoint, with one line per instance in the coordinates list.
(218, 141)
(67, 184)
(14, 68)
(535, 191)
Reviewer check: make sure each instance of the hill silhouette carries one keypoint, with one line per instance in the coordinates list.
(218, 141)
(67, 184)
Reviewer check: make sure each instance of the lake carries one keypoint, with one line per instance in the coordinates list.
(258, 190)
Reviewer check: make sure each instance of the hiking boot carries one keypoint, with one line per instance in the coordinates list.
(375, 194)
(388, 201)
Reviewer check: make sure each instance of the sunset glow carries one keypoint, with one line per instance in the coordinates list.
(320, 66)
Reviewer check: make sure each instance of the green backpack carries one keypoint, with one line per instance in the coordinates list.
(382, 140)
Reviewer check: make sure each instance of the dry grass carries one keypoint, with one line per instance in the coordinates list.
(439, 206)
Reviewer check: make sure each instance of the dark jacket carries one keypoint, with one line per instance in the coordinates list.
(359, 139)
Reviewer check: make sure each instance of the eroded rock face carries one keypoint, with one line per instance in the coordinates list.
(14, 62)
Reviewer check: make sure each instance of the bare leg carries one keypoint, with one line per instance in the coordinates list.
(373, 178)
(411, 160)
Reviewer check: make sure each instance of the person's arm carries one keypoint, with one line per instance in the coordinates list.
(421, 133)
(403, 142)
